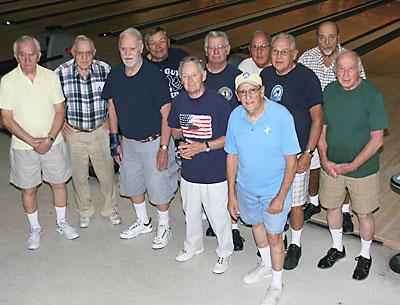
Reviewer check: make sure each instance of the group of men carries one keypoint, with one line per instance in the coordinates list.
(247, 139)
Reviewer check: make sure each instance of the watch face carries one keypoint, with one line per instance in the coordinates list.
(208, 149)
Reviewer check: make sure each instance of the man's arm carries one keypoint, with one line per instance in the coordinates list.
(317, 115)
(162, 154)
(370, 149)
(231, 173)
(327, 165)
(191, 148)
(115, 147)
(276, 205)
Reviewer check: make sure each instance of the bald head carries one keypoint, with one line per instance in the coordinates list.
(347, 67)
(328, 38)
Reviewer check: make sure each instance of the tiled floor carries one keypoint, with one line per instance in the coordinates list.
(99, 268)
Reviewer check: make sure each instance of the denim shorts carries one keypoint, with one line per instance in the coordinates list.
(253, 210)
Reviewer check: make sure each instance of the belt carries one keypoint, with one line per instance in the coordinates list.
(151, 138)
(86, 130)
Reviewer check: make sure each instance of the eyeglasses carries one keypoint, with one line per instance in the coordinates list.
(284, 52)
(216, 47)
(250, 92)
(84, 54)
(258, 47)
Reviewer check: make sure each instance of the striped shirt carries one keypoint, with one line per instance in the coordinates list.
(313, 59)
(85, 109)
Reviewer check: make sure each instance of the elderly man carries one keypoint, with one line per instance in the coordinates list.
(259, 51)
(165, 58)
(221, 78)
(320, 59)
(32, 106)
(298, 89)
(260, 192)
(139, 103)
(354, 122)
(82, 79)
(199, 118)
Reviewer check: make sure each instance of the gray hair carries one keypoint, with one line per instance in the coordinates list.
(26, 39)
(199, 63)
(216, 34)
(285, 36)
(259, 32)
(347, 52)
(154, 31)
(80, 38)
(130, 32)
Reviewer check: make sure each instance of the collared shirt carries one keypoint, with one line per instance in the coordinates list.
(31, 102)
(313, 59)
(86, 109)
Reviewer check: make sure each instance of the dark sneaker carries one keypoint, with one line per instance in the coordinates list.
(362, 269)
(210, 232)
(311, 210)
(394, 263)
(237, 240)
(292, 257)
(331, 258)
(348, 226)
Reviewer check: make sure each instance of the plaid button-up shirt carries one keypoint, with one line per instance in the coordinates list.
(313, 59)
(86, 109)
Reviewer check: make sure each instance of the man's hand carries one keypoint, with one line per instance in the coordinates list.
(118, 157)
(67, 130)
(276, 205)
(44, 146)
(162, 159)
(329, 167)
(190, 148)
(233, 207)
(303, 163)
(343, 168)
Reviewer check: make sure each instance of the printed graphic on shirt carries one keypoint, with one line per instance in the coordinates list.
(226, 92)
(196, 126)
(174, 83)
(276, 93)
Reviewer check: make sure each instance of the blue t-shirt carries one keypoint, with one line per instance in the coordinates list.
(224, 83)
(202, 119)
(262, 147)
(137, 99)
(169, 67)
(298, 91)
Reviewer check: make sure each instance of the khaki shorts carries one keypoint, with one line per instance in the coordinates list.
(29, 168)
(364, 192)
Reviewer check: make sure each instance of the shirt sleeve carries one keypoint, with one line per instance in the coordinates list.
(6, 100)
(377, 119)
(290, 142)
(230, 146)
(107, 89)
(313, 92)
(173, 117)
(57, 92)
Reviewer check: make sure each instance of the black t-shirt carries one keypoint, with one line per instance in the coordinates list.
(137, 99)
(298, 91)
(224, 83)
(169, 67)
(202, 119)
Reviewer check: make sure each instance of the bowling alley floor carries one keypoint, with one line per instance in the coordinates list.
(99, 268)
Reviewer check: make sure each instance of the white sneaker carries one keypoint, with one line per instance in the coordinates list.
(136, 228)
(163, 234)
(33, 241)
(273, 296)
(184, 255)
(115, 219)
(84, 222)
(257, 274)
(66, 229)
(221, 265)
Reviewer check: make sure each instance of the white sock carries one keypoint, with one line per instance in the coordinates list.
(235, 226)
(277, 279)
(346, 208)
(60, 213)
(337, 239)
(296, 237)
(141, 211)
(365, 247)
(314, 200)
(266, 256)
(163, 218)
(33, 219)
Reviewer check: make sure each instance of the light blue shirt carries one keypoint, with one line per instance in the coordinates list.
(262, 147)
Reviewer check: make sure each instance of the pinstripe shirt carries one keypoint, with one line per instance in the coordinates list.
(85, 109)
(313, 59)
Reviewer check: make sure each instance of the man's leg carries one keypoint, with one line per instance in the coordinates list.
(30, 207)
(313, 207)
(348, 226)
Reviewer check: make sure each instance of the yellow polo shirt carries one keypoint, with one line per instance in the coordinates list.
(32, 103)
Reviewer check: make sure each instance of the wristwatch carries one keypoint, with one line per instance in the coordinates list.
(208, 148)
(310, 151)
(164, 147)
